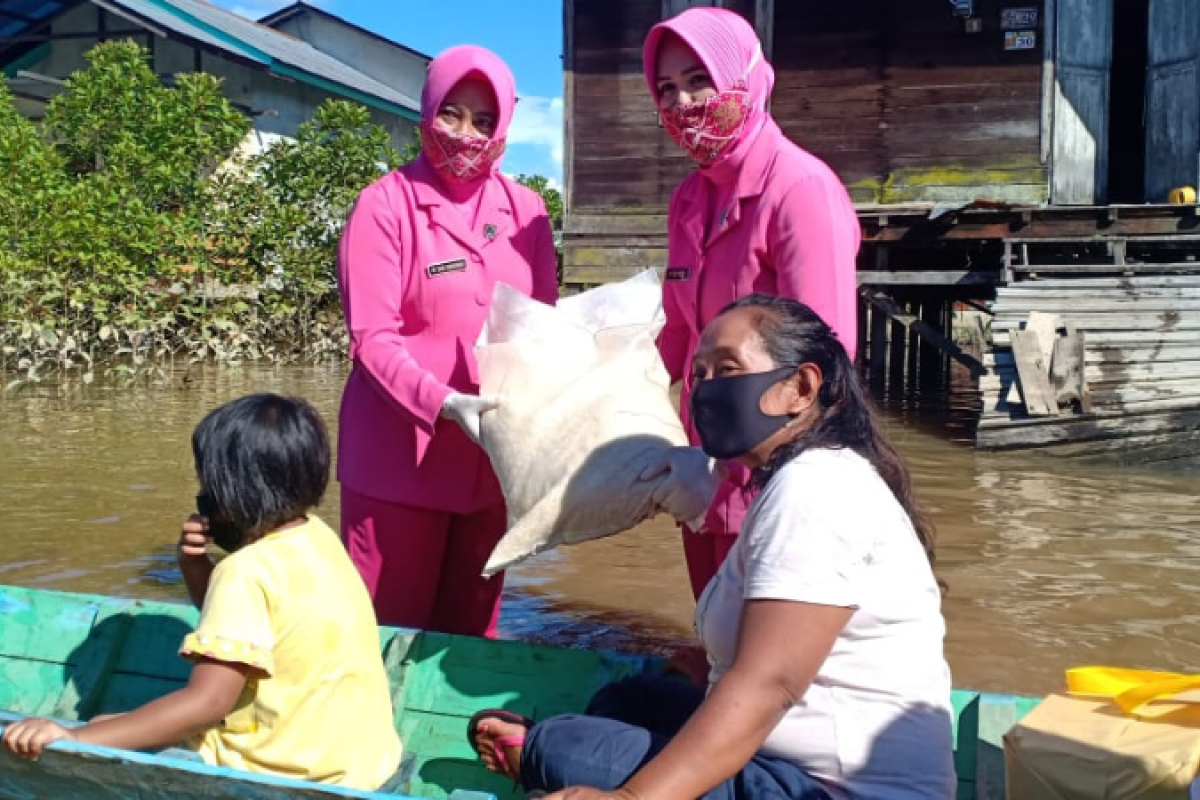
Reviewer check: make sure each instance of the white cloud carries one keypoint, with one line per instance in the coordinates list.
(538, 121)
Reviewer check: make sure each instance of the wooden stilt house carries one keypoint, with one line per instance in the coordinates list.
(1014, 155)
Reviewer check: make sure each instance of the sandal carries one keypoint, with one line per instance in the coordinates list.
(503, 741)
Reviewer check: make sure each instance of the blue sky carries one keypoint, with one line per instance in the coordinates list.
(526, 34)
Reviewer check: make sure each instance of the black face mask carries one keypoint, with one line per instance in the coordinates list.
(223, 533)
(728, 412)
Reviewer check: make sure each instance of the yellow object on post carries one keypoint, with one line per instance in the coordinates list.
(1121, 733)
(1182, 196)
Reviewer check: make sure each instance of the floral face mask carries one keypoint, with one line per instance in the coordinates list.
(460, 158)
(706, 129)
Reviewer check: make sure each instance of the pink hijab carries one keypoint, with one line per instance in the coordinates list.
(456, 63)
(444, 73)
(729, 49)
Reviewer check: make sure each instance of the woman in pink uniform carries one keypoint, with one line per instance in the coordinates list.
(421, 507)
(759, 214)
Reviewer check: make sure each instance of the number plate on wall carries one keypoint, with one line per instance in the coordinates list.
(1020, 40)
(1018, 19)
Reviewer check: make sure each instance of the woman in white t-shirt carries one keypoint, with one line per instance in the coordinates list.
(823, 628)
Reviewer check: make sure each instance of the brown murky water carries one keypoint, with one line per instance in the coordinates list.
(1049, 564)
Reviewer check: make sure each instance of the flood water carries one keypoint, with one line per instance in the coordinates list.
(1049, 564)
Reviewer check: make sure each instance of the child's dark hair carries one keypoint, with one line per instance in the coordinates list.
(264, 461)
(794, 334)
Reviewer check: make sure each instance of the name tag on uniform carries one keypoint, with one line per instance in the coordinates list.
(442, 267)
(679, 273)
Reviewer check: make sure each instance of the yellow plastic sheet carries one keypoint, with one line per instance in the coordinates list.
(1131, 689)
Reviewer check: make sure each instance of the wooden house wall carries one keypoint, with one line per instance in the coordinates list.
(907, 106)
(901, 101)
(621, 167)
(621, 159)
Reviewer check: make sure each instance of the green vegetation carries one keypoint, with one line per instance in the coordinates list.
(553, 198)
(554, 207)
(131, 234)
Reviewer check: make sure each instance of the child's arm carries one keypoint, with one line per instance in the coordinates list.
(211, 693)
(192, 555)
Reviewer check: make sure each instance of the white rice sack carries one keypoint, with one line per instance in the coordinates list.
(585, 408)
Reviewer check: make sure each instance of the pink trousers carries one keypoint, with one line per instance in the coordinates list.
(705, 553)
(422, 567)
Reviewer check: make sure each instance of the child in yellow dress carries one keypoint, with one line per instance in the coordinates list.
(286, 654)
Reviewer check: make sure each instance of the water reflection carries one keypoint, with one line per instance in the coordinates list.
(1050, 564)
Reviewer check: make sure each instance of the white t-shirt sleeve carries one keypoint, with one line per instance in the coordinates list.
(806, 542)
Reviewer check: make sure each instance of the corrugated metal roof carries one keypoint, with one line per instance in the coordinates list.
(215, 27)
(277, 18)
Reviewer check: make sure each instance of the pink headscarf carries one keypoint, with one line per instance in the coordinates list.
(456, 63)
(729, 49)
(479, 159)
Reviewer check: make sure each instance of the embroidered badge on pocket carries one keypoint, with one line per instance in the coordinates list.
(442, 267)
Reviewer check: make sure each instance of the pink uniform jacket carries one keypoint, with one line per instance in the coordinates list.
(416, 285)
(790, 230)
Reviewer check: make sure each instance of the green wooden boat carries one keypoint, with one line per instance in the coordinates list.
(72, 656)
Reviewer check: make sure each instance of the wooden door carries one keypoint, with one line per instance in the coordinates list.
(1083, 42)
(1172, 98)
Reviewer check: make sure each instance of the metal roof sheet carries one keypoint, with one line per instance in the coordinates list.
(215, 27)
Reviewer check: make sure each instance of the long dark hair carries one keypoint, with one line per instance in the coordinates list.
(793, 334)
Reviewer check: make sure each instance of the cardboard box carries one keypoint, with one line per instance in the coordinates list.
(1072, 748)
